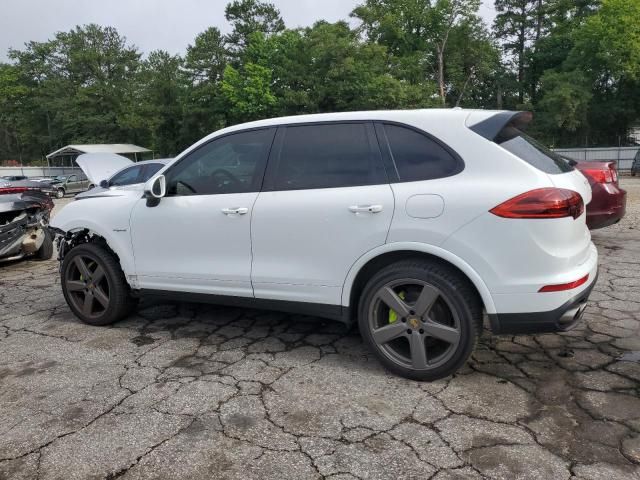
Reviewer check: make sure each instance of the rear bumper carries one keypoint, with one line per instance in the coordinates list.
(607, 207)
(561, 319)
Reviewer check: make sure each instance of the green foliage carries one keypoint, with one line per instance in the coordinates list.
(564, 105)
(249, 16)
(248, 92)
(575, 63)
(608, 44)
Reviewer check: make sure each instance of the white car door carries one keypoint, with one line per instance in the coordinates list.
(326, 201)
(197, 238)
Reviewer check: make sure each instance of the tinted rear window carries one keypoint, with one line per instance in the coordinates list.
(328, 156)
(418, 157)
(532, 151)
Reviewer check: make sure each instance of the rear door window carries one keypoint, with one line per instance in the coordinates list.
(532, 151)
(326, 156)
(419, 157)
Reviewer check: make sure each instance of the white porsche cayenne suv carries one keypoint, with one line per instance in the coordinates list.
(415, 224)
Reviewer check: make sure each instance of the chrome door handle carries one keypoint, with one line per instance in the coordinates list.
(366, 208)
(235, 211)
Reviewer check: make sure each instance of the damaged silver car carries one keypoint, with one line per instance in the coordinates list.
(24, 220)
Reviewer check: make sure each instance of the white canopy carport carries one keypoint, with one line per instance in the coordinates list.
(66, 155)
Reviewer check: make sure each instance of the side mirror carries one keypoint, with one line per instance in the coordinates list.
(104, 184)
(155, 189)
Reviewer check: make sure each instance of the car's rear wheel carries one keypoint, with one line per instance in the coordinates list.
(94, 286)
(420, 318)
(60, 193)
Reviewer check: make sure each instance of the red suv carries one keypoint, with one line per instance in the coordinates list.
(609, 201)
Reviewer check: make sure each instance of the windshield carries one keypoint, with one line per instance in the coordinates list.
(60, 178)
(532, 151)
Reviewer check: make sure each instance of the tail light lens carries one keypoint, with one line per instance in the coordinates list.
(542, 203)
(14, 190)
(608, 174)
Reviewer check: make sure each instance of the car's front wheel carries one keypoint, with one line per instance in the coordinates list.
(60, 193)
(420, 318)
(94, 286)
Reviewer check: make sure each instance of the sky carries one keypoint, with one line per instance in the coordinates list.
(151, 24)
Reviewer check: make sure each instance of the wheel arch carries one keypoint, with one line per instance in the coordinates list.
(117, 246)
(380, 257)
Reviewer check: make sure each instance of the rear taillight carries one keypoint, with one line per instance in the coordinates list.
(14, 190)
(608, 174)
(542, 203)
(599, 176)
(565, 286)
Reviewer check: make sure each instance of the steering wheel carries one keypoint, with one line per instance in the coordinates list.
(185, 184)
(235, 180)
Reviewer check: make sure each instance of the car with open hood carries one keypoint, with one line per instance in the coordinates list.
(112, 173)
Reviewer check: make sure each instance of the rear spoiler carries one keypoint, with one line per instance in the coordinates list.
(492, 126)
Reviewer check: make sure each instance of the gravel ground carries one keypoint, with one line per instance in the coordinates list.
(196, 391)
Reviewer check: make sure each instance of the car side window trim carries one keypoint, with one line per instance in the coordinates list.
(260, 168)
(270, 177)
(386, 149)
(387, 156)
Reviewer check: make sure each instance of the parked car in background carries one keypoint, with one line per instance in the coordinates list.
(66, 184)
(412, 223)
(24, 219)
(609, 201)
(132, 176)
(635, 166)
(13, 178)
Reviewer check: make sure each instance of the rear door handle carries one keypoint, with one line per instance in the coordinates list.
(366, 208)
(235, 211)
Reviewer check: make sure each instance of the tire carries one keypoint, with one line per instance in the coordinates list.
(60, 193)
(45, 252)
(438, 309)
(102, 280)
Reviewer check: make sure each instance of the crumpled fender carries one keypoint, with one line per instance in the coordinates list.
(107, 217)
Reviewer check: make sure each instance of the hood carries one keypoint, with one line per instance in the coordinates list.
(101, 166)
(136, 190)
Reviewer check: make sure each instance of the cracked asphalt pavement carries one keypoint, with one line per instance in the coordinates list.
(198, 391)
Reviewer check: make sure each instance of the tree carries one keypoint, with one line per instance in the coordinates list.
(79, 83)
(518, 23)
(446, 15)
(417, 35)
(473, 67)
(162, 92)
(564, 106)
(203, 69)
(249, 16)
(12, 95)
(248, 92)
